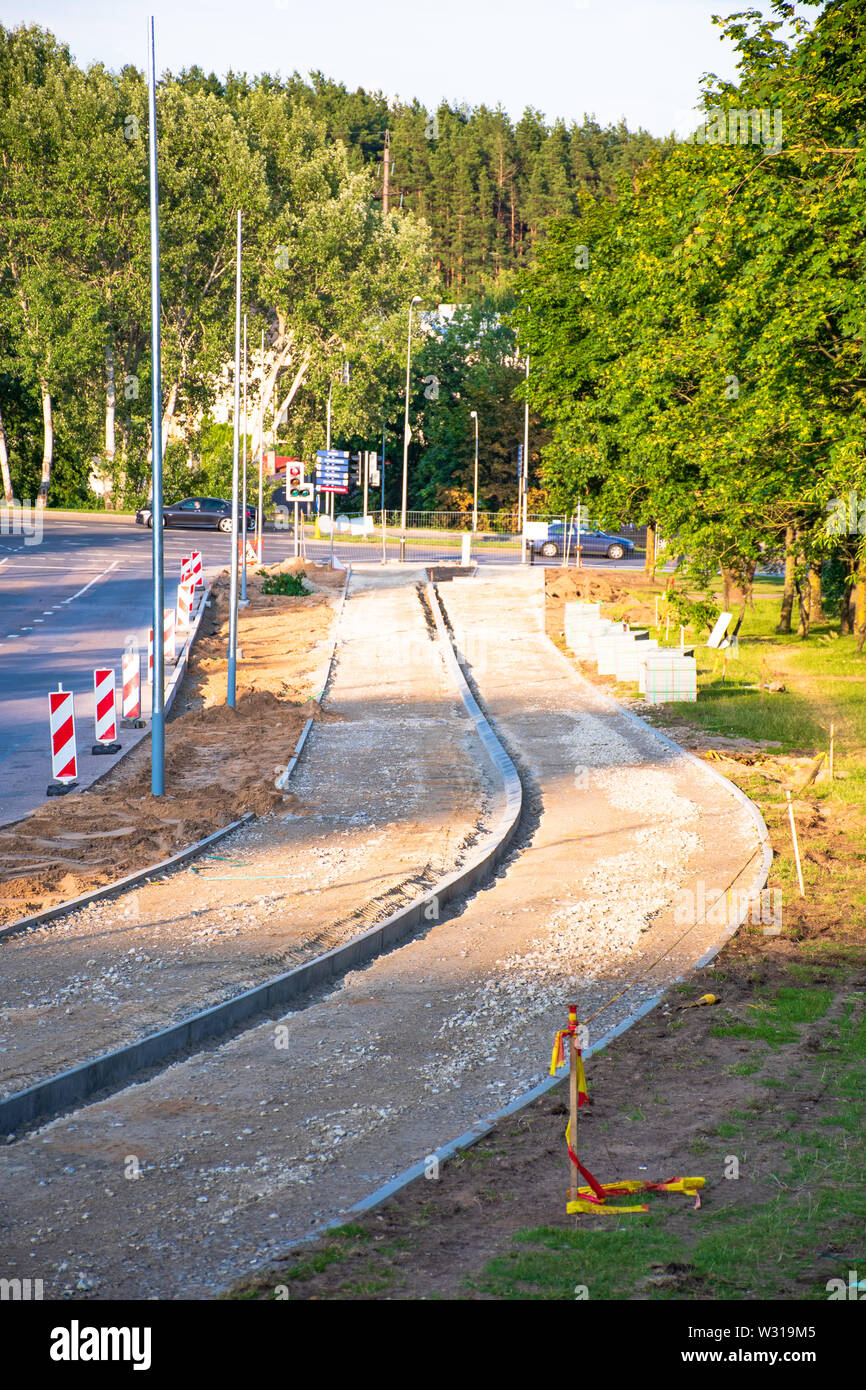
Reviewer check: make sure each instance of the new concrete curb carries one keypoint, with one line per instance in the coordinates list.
(68, 1089)
(483, 1127)
(764, 847)
(120, 885)
(284, 776)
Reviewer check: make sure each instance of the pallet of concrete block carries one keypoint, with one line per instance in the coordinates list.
(667, 675)
(615, 650)
(578, 617)
(630, 655)
(582, 626)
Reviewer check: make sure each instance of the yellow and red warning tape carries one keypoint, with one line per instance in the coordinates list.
(593, 1199)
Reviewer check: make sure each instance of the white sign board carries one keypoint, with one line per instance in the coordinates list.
(719, 630)
(535, 531)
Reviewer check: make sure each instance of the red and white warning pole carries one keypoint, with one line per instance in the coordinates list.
(105, 711)
(61, 714)
(185, 567)
(184, 605)
(130, 674)
(150, 656)
(195, 569)
(168, 642)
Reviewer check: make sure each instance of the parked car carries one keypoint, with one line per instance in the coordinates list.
(592, 542)
(212, 512)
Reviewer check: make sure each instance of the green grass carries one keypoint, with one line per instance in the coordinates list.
(811, 1197)
(797, 719)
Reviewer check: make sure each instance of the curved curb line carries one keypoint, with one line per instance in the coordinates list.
(68, 1089)
(482, 1127)
(760, 878)
(284, 776)
(468, 1137)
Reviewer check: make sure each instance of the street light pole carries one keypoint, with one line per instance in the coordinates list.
(525, 479)
(416, 299)
(231, 685)
(473, 415)
(157, 713)
(262, 452)
(244, 505)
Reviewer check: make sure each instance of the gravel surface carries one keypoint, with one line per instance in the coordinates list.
(243, 1149)
(387, 798)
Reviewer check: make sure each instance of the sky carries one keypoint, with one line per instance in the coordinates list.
(637, 59)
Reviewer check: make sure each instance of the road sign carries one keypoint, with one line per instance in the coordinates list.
(300, 492)
(519, 462)
(332, 470)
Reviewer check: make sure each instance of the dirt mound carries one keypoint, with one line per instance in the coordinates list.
(622, 594)
(220, 763)
(596, 586)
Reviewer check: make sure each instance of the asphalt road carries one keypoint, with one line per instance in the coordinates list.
(70, 600)
(68, 603)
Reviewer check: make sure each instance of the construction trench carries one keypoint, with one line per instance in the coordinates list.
(212, 1164)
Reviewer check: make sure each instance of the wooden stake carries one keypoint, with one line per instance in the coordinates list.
(832, 736)
(572, 1099)
(796, 848)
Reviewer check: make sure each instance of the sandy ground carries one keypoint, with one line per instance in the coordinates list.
(219, 762)
(385, 801)
(173, 1187)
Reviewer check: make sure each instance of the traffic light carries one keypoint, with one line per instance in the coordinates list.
(355, 470)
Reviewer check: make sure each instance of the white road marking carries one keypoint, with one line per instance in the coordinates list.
(92, 582)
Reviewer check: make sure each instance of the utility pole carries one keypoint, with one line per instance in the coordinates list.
(244, 511)
(157, 717)
(416, 299)
(261, 517)
(231, 688)
(473, 415)
(525, 467)
(386, 172)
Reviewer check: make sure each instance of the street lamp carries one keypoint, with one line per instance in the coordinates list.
(473, 415)
(416, 299)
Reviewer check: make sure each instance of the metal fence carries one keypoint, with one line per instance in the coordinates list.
(439, 537)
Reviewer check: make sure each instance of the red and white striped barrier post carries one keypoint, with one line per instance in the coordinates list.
(64, 763)
(105, 711)
(196, 570)
(150, 656)
(185, 568)
(130, 675)
(169, 653)
(184, 605)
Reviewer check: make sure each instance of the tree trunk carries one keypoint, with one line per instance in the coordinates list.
(816, 609)
(4, 466)
(110, 444)
(860, 601)
(784, 623)
(294, 388)
(737, 584)
(649, 563)
(168, 413)
(803, 596)
(47, 446)
(847, 613)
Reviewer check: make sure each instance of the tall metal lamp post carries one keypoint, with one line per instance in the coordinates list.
(473, 415)
(157, 713)
(416, 299)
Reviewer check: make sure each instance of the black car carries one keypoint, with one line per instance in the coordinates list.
(592, 542)
(212, 512)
